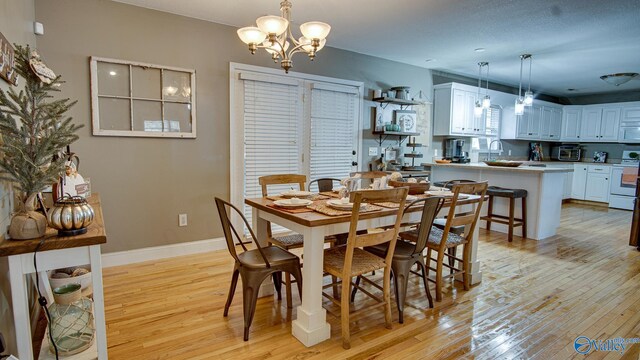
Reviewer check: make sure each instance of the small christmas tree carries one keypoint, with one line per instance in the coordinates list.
(34, 130)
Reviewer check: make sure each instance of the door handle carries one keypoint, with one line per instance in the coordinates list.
(354, 163)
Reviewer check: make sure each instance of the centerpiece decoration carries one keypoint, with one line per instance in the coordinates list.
(34, 131)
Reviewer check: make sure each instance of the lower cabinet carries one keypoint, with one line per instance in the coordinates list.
(591, 182)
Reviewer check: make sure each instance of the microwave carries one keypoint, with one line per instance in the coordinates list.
(566, 153)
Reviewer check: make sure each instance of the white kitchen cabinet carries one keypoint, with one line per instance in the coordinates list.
(579, 183)
(528, 125)
(591, 120)
(597, 188)
(610, 123)
(571, 123)
(591, 182)
(454, 111)
(600, 123)
(568, 186)
(550, 123)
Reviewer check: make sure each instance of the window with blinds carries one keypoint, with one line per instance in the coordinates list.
(272, 132)
(333, 135)
(492, 129)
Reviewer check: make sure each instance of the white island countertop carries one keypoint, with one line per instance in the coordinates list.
(520, 169)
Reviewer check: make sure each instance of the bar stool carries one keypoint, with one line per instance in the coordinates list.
(511, 220)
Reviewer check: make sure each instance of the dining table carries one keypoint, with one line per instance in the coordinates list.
(310, 327)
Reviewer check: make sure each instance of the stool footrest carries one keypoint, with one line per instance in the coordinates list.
(516, 222)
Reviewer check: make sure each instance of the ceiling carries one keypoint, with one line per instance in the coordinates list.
(573, 42)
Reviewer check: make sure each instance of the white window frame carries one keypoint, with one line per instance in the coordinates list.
(236, 119)
(95, 103)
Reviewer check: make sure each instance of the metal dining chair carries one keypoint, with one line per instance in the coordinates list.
(409, 253)
(324, 184)
(254, 266)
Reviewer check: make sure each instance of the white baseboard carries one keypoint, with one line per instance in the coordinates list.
(162, 252)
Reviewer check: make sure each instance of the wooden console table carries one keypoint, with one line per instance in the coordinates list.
(56, 252)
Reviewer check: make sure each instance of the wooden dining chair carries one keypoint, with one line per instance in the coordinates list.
(440, 240)
(324, 184)
(408, 253)
(350, 260)
(291, 241)
(255, 265)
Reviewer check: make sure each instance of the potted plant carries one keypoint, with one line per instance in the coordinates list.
(34, 131)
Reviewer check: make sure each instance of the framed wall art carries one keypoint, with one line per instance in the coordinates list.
(7, 61)
(406, 119)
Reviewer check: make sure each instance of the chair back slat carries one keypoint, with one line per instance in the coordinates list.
(373, 239)
(230, 231)
(469, 220)
(281, 179)
(463, 220)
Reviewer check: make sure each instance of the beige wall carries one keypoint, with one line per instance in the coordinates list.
(16, 24)
(146, 183)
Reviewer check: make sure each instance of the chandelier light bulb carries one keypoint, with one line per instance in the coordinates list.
(528, 98)
(251, 35)
(306, 44)
(315, 30)
(519, 106)
(486, 102)
(272, 24)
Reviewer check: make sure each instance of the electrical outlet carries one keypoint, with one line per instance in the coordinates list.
(182, 220)
(373, 151)
(509, 152)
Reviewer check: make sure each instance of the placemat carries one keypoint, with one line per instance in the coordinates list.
(289, 210)
(323, 208)
(331, 194)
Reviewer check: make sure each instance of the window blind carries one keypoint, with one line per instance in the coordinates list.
(272, 119)
(334, 115)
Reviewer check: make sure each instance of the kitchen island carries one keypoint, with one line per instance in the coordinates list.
(544, 186)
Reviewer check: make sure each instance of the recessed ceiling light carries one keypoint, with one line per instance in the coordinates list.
(430, 60)
(479, 49)
(112, 73)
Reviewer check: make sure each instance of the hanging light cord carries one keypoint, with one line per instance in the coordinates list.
(520, 85)
(487, 92)
(530, 60)
(41, 299)
(479, 78)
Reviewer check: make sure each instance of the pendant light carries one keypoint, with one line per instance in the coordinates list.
(519, 108)
(478, 109)
(528, 95)
(486, 101)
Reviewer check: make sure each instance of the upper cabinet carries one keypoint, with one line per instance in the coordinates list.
(600, 123)
(591, 123)
(571, 123)
(454, 111)
(544, 121)
(539, 122)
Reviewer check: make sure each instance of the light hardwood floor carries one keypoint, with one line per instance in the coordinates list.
(536, 297)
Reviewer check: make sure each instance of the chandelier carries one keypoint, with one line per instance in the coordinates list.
(274, 35)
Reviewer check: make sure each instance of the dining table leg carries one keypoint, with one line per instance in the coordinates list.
(310, 326)
(260, 227)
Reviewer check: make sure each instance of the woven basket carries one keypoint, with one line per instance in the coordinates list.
(414, 188)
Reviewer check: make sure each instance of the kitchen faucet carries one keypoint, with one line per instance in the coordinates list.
(499, 148)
